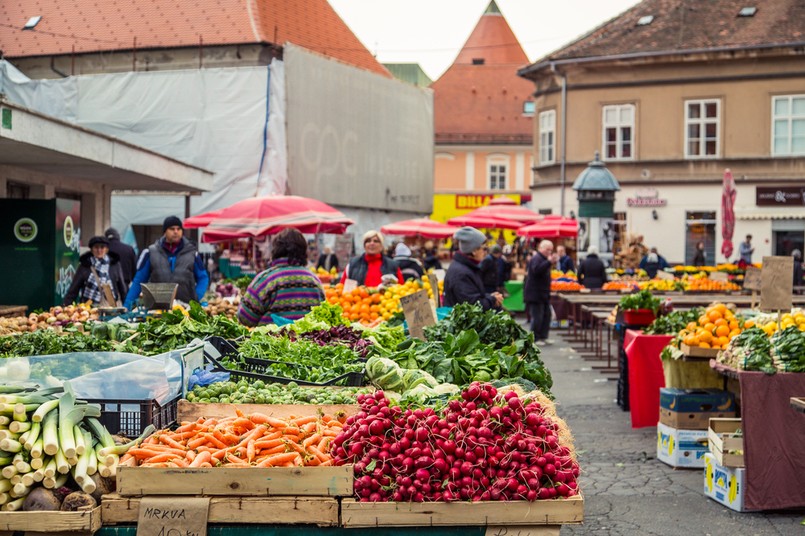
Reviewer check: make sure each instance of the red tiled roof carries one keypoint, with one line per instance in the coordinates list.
(680, 25)
(107, 25)
(483, 103)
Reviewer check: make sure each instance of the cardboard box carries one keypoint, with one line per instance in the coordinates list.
(681, 448)
(691, 420)
(696, 400)
(724, 484)
(724, 445)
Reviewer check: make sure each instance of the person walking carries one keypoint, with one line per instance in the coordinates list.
(171, 259)
(653, 262)
(97, 267)
(370, 267)
(410, 266)
(537, 291)
(699, 259)
(797, 254)
(462, 283)
(327, 260)
(491, 269)
(565, 263)
(592, 272)
(124, 252)
(746, 249)
(286, 288)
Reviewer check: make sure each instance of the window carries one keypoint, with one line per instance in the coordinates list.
(16, 190)
(701, 128)
(788, 125)
(618, 132)
(528, 107)
(497, 176)
(547, 137)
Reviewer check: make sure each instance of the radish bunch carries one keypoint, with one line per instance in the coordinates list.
(484, 447)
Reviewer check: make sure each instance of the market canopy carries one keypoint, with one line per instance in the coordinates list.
(508, 211)
(484, 221)
(424, 227)
(201, 220)
(551, 226)
(262, 216)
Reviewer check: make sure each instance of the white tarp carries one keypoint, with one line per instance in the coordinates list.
(223, 120)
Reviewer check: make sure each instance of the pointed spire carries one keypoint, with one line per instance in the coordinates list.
(492, 9)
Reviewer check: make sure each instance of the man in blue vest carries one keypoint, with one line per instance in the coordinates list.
(171, 259)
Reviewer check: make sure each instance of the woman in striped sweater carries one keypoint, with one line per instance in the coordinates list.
(287, 288)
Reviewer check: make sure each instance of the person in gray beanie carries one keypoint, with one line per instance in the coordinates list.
(462, 283)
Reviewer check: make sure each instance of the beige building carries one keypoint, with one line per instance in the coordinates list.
(671, 94)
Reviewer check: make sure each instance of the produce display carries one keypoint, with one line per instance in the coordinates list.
(49, 342)
(343, 335)
(259, 392)
(565, 286)
(768, 321)
(223, 306)
(673, 322)
(370, 305)
(51, 442)
(254, 440)
(642, 299)
(620, 285)
(750, 350)
(661, 285)
(713, 329)
(56, 317)
(488, 446)
(471, 344)
(705, 284)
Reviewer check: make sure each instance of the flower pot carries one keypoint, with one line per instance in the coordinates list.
(638, 317)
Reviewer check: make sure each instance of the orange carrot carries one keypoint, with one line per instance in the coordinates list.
(171, 442)
(277, 459)
(319, 454)
(202, 457)
(300, 421)
(197, 441)
(312, 440)
(243, 422)
(250, 451)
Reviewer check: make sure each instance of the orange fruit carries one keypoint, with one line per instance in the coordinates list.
(723, 330)
(704, 345)
(714, 315)
(705, 337)
(721, 322)
(723, 341)
(749, 324)
(710, 327)
(692, 326)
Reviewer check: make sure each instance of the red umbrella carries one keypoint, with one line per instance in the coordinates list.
(484, 221)
(424, 227)
(513, 212)
(262, 216)
(201, 220)
(728, 195)
(552, 226)
(502, 200)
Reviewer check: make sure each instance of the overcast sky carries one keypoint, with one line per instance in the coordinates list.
(431, 32)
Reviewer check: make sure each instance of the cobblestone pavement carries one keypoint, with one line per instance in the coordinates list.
(627, 490)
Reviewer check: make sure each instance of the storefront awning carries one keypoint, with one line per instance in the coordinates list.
(799, 215)
(40, 143)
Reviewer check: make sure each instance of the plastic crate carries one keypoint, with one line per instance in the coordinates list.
(256, 368)
(638, 317)
(130, 417)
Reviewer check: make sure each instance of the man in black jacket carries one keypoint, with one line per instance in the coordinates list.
(592, 273)
(491, 270)
(537, 291)
(124, 252)
(462, 283)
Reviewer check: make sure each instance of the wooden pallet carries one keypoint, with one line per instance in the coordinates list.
(226, 481)
(487, 513)
(321, 511)
(83, 522)
(188, 411)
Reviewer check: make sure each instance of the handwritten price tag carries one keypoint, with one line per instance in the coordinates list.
(776, 283)
(418, 313)
(349, 286)
(752, 278)
(173, 516)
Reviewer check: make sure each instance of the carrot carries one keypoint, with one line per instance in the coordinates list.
(191, 455)
(324, 444)
(202, 457)
(216, 442)
(250, 451)
(267, 444)
(319, 454)
(312, 440)
(244, 422)
(188, 427)
(171, 442)
(330, 433)
(163, 457)
(274, 450)
(239, 413)
(206, 464)
(234, 460)
(144, 454)
(277, 459)
(197, 441)
(309, 428)
(300, 421)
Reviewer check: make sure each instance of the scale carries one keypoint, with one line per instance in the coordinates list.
(159, 295)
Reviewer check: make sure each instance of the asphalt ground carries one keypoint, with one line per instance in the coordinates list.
(627, 491)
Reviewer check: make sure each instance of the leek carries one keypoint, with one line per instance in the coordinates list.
(5, 485)
(4, 498)
(9, 471)
(50, 468)
(14, 505)
(10, 445)
(92, 456)
(37, 448)
(122, 449)
(78, 434)
(33, 435)
(28, 479)
(4, 421)
(19, 427)
(19, 490)
(50, 433)
(61, 463)
(37, 463)
(44, 409)
(39, 475)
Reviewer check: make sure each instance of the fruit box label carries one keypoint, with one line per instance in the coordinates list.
(696, 400)
(723, 484)
(680, 448)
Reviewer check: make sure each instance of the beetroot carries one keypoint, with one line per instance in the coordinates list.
(483, 447)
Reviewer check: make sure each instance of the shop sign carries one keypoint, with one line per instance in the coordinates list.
(770, 196)
(25, 230)
(646, 198)
(468, 201)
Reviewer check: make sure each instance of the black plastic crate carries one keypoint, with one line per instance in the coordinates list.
(130, 417)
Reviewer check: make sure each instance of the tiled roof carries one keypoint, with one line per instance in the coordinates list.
(482, 102)
(83, 26)
(680, 25)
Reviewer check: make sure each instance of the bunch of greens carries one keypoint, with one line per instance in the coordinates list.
(475, 345)
(788, 350)
(175, 329)
(49, 342)
(324, 316)
(345, 335)
(259, 392)
(749, 350)
(673, 322)
(302, 359)
(640, 300)
(384, 337)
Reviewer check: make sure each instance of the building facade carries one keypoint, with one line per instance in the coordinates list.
(672, 94)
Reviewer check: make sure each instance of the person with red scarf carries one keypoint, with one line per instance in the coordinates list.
(368, 269)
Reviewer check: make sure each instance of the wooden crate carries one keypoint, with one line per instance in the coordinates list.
(251, 481)
(486, 513)
(83, 522)
(721, 441)
(321, 511)
(701, 353)
(188, 411)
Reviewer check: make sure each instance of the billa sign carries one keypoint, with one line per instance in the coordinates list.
(789, 196)
(646, 198)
